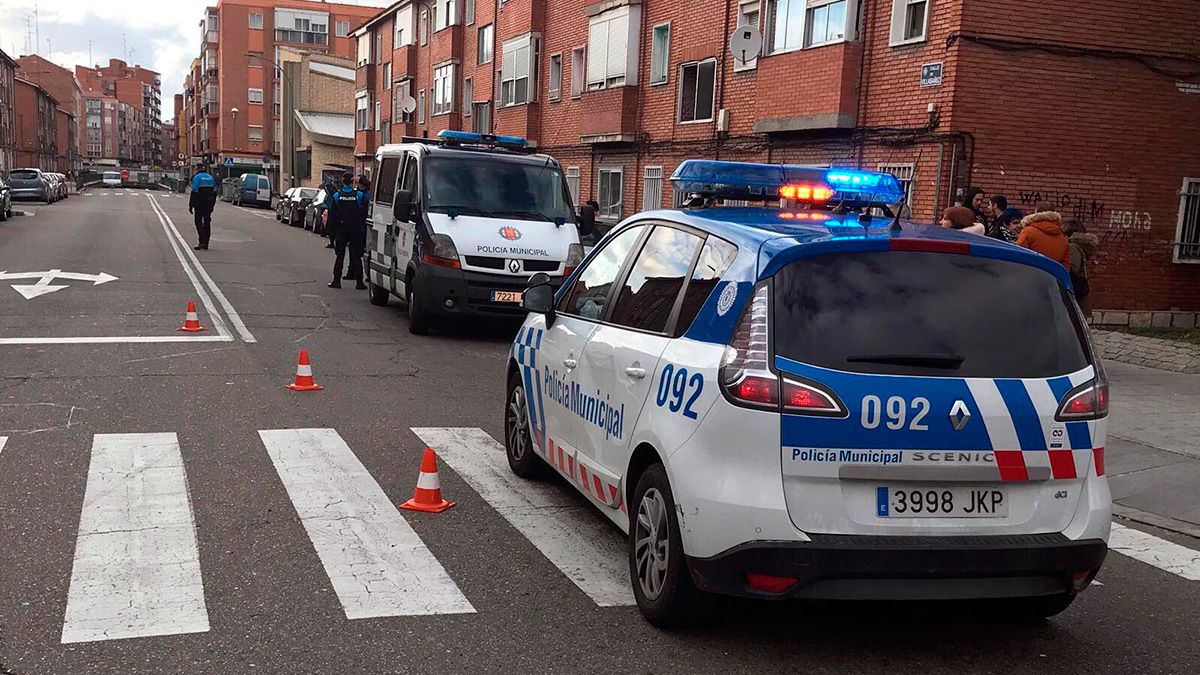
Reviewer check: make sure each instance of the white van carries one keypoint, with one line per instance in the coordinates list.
(112, 178)
(253, 189)
(459, 225)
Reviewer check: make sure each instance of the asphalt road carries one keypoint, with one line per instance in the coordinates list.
(266, 602)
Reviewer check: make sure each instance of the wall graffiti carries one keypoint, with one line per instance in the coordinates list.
(1089, 210)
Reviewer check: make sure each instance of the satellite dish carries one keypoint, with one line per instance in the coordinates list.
(409, 104)
(745, 43)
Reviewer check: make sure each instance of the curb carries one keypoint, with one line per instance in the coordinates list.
(1155, 520)
(19, 212)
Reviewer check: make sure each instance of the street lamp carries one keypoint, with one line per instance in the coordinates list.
(234, 112)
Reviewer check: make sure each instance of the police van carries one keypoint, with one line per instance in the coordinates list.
(459, 225)
(803, 399)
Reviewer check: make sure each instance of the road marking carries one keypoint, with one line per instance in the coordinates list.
(45, 279)
(131, 339)
(137, 566)
(205, 300)
(234, 317)
(3, 440)
(377, 564)
(252, 212)
(578, 541)
(1163, 554)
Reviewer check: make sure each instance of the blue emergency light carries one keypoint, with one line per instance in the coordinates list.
(451, 137)
(749, 181)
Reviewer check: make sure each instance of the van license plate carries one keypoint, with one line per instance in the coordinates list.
(940, 502)
(507, 296)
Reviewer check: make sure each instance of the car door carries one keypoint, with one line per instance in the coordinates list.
(403, 231)
(580, 307)
(379, 247)
(620, 362)
(264, 190)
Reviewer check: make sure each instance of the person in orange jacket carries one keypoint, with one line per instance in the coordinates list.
(1042, 232)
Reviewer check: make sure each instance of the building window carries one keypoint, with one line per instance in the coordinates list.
(748, 17)
(485, 44)
(277, 100)
(825, 22)
(403, 92)
(378, 55)
(1187, 236)
(341, 28)
(255, 134)
(660, 53)
(482, 115)
(387, 75)
(421, 107)
(785, 24)
(255, 96)
(519, 64)
(613, 47)
(362, 106)
(364, 50)
(378, 114)
(578, 74)
(445, 14)
(301, 26)
(468, 96)
(904, 174)
(469, 12)
(404, 27)
(573, 183)
(910, 19)
(555, 76)
(696, 91)
(609, 192)
(443, 89)
(652, 188)
(424, 27)
(256, 21)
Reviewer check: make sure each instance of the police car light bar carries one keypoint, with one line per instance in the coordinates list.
(451, 137)
(749, 181)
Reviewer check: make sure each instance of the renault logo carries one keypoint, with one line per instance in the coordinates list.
(959, 415)
(514, 266)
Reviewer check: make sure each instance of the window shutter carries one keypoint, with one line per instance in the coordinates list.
(597, 52)
(618, 46)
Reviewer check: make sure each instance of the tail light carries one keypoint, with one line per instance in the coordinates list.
(574, 257)
(746, 378)
(810, 398)
(442, 252)
(1088, 401)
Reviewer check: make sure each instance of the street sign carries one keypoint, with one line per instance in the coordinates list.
(931, 74)
(745, 43)
(44, 284)
(228, 161)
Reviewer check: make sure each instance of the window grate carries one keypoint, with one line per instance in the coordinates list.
(1187, 244)
(652, 188)
(903, 173)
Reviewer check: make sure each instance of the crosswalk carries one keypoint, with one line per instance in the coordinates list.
(137, 570)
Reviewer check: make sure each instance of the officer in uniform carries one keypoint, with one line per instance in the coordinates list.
(348, 219)
(201, 203)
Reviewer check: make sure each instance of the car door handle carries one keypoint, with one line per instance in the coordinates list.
(570, 363)
(635, 372)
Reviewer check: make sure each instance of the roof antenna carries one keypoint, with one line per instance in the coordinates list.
(895, 226)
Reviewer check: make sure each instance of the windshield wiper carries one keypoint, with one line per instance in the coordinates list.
(946, 361)
(534, 215)
(455, 210)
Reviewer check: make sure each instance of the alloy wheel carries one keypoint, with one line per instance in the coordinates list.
(651, 543)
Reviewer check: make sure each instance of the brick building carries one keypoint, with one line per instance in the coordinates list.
(65, 88)
(8, 115)
(317, 120)
(37, 120)
(237, 69)
(139, 88)
(1040, 102)
(113, 132)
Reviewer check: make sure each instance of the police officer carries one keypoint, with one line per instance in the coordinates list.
(348, 218)
(201, 203)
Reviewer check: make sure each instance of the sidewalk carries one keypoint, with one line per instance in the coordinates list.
(1152, 456)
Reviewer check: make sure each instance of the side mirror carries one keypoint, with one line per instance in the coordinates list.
(402, 205)
(539, 295)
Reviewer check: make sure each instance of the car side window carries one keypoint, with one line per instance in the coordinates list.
(385, 189)
(715, 259)
(648, 295)
(589, 296)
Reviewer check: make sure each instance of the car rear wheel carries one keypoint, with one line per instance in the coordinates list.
(662, 584)
(518, 441)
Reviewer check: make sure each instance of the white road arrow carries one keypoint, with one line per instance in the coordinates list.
(45, 281)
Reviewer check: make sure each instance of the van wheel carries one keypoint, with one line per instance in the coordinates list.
(662, 584)
(518, 441)
(418, 321)
(379, 294)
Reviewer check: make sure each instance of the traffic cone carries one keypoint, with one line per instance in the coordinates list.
(191, 323)
(428, 495)
(304, 377)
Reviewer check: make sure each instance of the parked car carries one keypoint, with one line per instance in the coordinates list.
(296, 205)
(64, 190)
(5, 201)
(283, 203)
(314, 212)
(253, 189)
(30, 184)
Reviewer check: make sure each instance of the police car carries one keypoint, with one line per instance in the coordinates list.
(811, 401)
(460, 224)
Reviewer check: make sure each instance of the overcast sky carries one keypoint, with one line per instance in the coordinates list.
(162, 35)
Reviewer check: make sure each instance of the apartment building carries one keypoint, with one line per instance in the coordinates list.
(8, 119)
(1040, 102)
(36, 114)
(61, 84)
(137, 87)
(235, 84)
(113, 132)
(317, 119)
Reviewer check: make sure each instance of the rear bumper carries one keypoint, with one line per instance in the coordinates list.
(906, 568)
(448, 292)
(40, 194)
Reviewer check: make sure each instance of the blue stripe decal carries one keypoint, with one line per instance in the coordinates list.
(533, 413)
(1060, 386)
(1078, 432)
(1024, 415)
(541, 406)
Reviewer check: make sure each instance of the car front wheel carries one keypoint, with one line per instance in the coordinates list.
(662, 583)
(518, 441)
(418, 320)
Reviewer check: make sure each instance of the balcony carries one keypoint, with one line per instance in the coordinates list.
(830, 99)
(366, 142)
(609, 115)
(404, 61)
(212, 109)
(364, 77)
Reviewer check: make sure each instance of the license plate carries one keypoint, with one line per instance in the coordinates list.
(940, 502)
(507, 296)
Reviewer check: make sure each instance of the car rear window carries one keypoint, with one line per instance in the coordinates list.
(919, 313)
(22, 175)
(308, 194)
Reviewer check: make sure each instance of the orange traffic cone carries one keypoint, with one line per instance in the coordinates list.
(304, 377)
(428, 495)
(191, 323)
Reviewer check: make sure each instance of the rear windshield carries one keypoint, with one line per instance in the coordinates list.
(917, 313)
(22, 175)
(308, 194)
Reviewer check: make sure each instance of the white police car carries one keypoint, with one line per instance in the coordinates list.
(809, 402)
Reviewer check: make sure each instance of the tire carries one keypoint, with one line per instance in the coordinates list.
(418, 320)
(1040, 607)
(667, 597)
(379, 294)
(518, 443)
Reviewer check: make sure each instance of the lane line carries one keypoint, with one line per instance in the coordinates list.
(134, 339)
(377, 564)
(137, 565)
(205, 300)
(576, 540)
(1165, 555)
(3, 440)
(234, 318)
